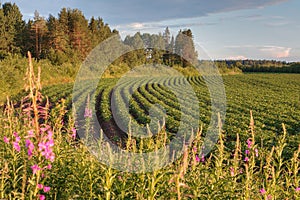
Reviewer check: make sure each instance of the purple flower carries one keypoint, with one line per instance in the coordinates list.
(42, 197)
(40, 186)
(30, 147)
(46, 189)
(16, 146)
(45, 128)
(6, 139)
(35, 168)
(247, 152)
(87, 113)
(15, 134)
(202, 158)
(249, 143)
(197, 158)
(297, 189)
(256, 152)
(246, 159)
(73, 133)
(195, 149)
(231, 171)
(18, 139)
(262, 191)
(30, 133)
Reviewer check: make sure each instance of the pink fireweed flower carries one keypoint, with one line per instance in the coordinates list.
(249, 143)
(231, 171)
(262, 191)
(49, 166)
(49, 155)
(35, 168)
(197, 158)
(16, 146)
(15, 134)
(73, 133)
(247, 152)
(18, 139)
(40, 186)
(202, 158)
(256, 152)
(87, 113)
(6, 139)
(246, 159)
(195, 149)
(50, 134)
(42, 197)
(44, 129)
(30, 146)
(46, 189)
(46, 149)
(30, 133)
(297, 189)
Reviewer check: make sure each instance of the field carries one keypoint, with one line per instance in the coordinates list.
(256, 156)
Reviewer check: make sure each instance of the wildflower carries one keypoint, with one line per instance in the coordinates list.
(30, 133)
(46, 149)
(231, 171)
(16, 146)
(18, 139)
(256, 152)
(40, 186)
(197, 158)
(87, 113)
(50, 134)
(249, 143)
(73, 133)
(269, 197)
(49, 166)
(120, 178)
(195, 149)
(30, 147)
(46, 188)
(297, 189)
(42, 197)
(247, 152)
(246, 159)
(35, 168)
(44, 129)
(6, 140)
(202, 158)
(262, 191)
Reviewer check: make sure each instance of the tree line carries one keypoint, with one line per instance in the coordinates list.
(71, 36)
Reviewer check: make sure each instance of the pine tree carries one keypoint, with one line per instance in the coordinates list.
(166, 37)
(185, 49)
(11, 27)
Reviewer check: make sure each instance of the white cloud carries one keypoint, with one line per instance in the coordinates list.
(276, 51)
(136, 25)
(238, 57)
(265, 51)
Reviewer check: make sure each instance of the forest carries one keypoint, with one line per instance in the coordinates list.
(70, 37)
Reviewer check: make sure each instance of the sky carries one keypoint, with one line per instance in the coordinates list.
(222, 29)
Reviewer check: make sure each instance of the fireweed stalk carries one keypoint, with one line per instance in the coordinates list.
(32, 150)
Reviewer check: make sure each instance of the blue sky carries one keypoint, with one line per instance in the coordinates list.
(225, 29)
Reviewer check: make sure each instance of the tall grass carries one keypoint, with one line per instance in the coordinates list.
(40, 158)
